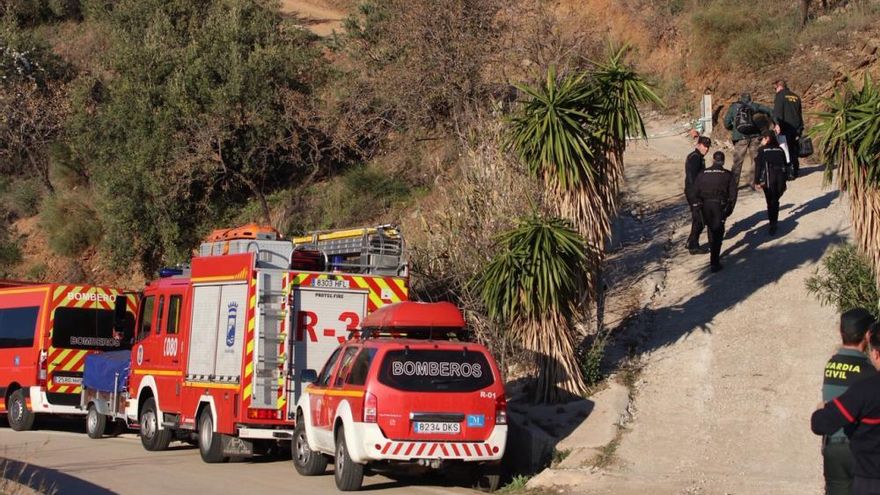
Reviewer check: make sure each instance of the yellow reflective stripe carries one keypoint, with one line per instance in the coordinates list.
(247, 392)
(382, 283)
(336, 393)
(158, 372)
(58, 291)
(54, 364)
(249, 369)
(225, 386)
(76, 361)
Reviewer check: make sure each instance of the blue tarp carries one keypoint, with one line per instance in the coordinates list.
(101, 369)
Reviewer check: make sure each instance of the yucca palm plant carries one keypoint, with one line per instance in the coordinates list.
(848, 135)
(533, 286)
(571, 132)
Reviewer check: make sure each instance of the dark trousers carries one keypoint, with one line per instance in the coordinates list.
(794, 148)
(866, 486)
(713, 216)
(773, 190)
(697, 226)
(838, 463)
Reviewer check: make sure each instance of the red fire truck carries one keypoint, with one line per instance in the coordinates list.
(220, 347)
(46, 331)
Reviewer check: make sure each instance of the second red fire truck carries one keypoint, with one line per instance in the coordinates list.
(220, 346)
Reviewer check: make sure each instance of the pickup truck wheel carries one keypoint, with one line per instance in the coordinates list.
(20, 417)
(488, 482)
(349, 475)
(487, 477)
(210, 442)
(306, 461)
(95, 422)
(152, 438)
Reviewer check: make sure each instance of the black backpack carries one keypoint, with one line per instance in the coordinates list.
(744, 120)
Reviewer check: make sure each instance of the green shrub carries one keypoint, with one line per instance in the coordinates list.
(845, 281)
(10, 254)
(731, 34)
(358, 196)
(37, 272)
(71, 225)
(23, 198)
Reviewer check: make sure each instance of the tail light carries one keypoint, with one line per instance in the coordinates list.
(370, 407)
(263, 414)
(501, 411)
(43, 367)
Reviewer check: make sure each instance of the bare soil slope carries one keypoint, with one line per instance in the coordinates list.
(319, 16)
(732, 361)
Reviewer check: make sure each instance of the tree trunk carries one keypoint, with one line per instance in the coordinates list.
(805, 12)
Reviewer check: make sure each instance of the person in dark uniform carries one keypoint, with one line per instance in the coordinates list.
(848, 366)
(789, 122)
(857, 411)
(770, 175)
(693, 165)
(714, 190)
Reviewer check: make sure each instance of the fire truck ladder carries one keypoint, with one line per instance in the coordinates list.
(372, 250)
(269, 357)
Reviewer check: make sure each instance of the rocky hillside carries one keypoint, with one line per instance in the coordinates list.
(370, 120)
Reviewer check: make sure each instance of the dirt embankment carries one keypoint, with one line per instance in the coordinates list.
(321, 17)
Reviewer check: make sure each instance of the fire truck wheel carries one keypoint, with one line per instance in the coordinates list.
(95, 423)
(20, 417)
(306, 461)
(210, 442)
(152, 438)
(349, 475)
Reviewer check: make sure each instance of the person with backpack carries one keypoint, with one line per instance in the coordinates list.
(789, 122)
(713, 190)
(770, 175)
(745, 120)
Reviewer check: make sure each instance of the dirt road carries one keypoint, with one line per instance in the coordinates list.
(732, 361)
(72, 464)
(318, 16)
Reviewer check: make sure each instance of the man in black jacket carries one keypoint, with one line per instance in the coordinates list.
(789, 122)
(847, 366)
(857, 411)
(693, 165)
(714, 190)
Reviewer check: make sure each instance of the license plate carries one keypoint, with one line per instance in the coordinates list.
(326, 283)
(432, 427)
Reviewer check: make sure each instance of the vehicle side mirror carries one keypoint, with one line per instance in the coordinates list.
(308, 376)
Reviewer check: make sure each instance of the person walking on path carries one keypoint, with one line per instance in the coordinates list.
(746, 138)
(789, 122)
(714, 189)
(848, 366)
(770, 175)
(693, 165)
(857, 411)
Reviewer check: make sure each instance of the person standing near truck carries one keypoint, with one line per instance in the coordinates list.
(848, 366)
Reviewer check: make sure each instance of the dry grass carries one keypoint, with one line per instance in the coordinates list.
(15, 480)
